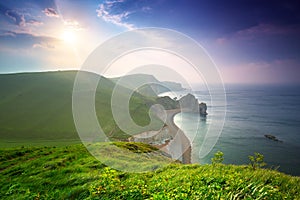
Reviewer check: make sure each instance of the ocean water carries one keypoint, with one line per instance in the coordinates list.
(252, 112)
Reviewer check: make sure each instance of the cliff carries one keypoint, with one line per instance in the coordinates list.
(189, 103)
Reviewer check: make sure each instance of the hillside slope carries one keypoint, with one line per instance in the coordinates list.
(38, 107)
(72, 173)
(150, 86)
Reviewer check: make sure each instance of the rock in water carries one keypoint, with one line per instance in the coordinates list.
(189, 103)
(202, 109)
(272, 137)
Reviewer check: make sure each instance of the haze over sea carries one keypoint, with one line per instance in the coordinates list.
(252, 112)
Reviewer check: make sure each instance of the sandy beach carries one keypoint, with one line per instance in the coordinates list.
(178, 147)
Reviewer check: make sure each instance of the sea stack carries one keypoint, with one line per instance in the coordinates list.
(202, 109)
(189, 103)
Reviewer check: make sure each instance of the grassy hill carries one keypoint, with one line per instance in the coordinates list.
(37, 108)
(153, 86)
(36, 111)
(72, 173)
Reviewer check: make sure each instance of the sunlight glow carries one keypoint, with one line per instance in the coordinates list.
(69, 36)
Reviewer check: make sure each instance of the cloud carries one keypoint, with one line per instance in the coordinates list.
(221, 40)
(73, 24)
(146, 9)
(268, 29)
(70, 22)
(18, 18)
(15, 40)
(275, 71)
(51, 12)
(7, 33)
(120, 12)
(107, 12)
(44, 45)
(34, 22)
(260, 31)
(111, 3)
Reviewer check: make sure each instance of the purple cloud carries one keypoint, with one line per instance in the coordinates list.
(259, 31)
(275, 71)
(18, 18)
(50, 12)
(34, 22)
(268, 29)
(7, 33)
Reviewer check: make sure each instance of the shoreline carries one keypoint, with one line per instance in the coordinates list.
(179, 146)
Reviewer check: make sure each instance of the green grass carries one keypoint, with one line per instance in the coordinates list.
(153, 86)
(30, 104)
(36, 112)
(70, 172)
(37, 108)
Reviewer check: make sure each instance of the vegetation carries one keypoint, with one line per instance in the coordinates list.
(257, 160)
(72, 173)
(153, 86)
(36, 108)
(218, 158)
(168, 103)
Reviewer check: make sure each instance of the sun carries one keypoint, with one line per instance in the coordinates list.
(69, 36)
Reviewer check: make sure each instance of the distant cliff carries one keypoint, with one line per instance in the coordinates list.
(149, 85)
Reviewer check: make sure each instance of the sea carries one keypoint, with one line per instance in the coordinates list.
(252, 111)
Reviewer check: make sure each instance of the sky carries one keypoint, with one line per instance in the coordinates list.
(253, 42)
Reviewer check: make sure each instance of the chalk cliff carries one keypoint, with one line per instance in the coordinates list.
(189, 103)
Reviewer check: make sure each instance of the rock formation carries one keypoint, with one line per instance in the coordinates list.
(272, 137)
(189, 103)
(202, 109)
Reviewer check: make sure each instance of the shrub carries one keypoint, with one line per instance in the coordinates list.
(218, 158)
(257, 160)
